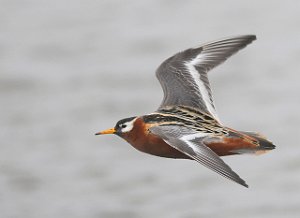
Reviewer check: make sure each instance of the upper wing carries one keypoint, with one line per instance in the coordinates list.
(183, 76)
(192, 146)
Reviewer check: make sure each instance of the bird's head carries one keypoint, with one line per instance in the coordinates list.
(122, 127)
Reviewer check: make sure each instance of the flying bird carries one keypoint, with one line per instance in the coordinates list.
(186, 124)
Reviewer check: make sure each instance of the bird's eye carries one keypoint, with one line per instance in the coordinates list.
(123, 126)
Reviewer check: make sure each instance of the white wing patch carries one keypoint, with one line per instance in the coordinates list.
(190, 65)
(193, 136)
(187, 139)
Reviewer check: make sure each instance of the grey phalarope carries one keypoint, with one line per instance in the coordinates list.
(186, 124)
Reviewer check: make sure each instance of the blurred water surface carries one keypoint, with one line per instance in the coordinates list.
(71, 68)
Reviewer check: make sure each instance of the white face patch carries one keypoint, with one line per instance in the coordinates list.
(128, 126)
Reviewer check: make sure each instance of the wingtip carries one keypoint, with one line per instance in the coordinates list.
(248, 38)
(245, 185)
(242, 183)
(252, 37)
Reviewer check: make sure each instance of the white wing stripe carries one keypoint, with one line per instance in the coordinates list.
(193, 136)
(190, 65)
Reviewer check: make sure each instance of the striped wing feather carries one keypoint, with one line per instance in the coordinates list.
(192, 145)
(183, 77)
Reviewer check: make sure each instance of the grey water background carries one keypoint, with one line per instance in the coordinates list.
(71, 68)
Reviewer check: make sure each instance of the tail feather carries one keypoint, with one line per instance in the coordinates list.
(264, 145)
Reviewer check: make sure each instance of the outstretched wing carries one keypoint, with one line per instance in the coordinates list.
(192, 145)
(183, 77)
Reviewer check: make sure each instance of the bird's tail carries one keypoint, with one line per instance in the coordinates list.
(263, 145)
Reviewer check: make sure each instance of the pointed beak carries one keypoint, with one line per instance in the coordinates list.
(108, 131)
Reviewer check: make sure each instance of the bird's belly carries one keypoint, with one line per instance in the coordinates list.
(154, 145)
